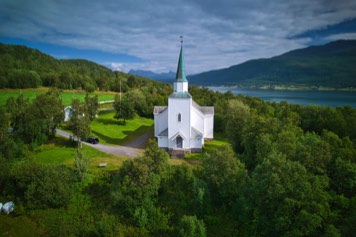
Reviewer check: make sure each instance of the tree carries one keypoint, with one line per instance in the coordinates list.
(17, 109)
(81, 163)
(42, 186)
(48, 108)
(191, 226)
(65, 80)
(79, 123)
(7, 145)
(91, 106)
(139, 99)
(224, 175)
(135, 190)
(258, 137)
(50, 79)
(183, 193)
(22, 78)
(313, 153)
(236, 117)
(36, 122)
(132, 81)
(83, 128)
(283, 199)
(157, 157)
(124, 108)
(343, 177)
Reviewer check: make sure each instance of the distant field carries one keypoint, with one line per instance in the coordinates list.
(67, 95)
(112, 131)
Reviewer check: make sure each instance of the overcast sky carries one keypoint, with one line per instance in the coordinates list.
(138, 34)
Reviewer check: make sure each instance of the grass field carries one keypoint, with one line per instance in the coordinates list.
(67, 95)
(18, 226)
(113, 131)
(60, 151)
(218, 141)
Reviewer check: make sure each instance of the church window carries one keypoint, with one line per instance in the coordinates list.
(179, 117)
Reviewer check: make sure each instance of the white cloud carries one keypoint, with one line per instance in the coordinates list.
(216, 34)
(346, 36)
(117, 66)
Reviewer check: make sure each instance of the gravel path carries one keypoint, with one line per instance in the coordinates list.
(132, 149)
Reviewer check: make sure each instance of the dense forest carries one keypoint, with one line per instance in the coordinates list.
(290, 171)
(330, 65)
(23, 67)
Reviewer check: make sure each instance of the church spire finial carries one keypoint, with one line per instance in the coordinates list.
(180, 76)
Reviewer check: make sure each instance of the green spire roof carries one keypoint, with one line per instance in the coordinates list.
(180, 76)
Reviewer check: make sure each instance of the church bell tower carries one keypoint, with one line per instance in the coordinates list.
(181, 83)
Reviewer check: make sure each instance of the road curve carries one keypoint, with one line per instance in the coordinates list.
(112, 149)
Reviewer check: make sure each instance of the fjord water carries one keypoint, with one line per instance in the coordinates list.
(306, 97)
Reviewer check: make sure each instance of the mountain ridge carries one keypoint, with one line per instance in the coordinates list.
(329, 65)
(164, 77)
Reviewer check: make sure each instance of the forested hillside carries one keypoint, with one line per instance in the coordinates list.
(290, 171)
(330, 65)
(23, 67)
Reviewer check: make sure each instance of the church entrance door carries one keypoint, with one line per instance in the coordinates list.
(179, 141)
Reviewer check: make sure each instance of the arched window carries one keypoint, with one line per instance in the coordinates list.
(179, 117)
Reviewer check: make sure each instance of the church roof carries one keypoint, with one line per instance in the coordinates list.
(180, 76)
(195, 133)
(159, 109)
(180, 95)
(164, 133)
(203, 109)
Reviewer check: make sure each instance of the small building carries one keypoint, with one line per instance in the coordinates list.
(68, 112)
(183, 125)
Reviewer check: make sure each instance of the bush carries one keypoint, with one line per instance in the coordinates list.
(42, 186)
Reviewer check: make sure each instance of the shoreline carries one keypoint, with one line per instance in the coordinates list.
(288, 88)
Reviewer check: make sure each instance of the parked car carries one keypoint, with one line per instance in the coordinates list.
(8, 207)
(93, 140)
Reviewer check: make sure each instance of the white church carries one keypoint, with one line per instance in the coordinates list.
(183, 125)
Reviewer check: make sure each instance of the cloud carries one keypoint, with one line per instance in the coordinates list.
(346, 36)
(216, 34)
(117, 66)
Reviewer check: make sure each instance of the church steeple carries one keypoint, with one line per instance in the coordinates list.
(180, 76)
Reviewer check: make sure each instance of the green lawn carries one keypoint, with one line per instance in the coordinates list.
(218, 141)
(113, 131)
(67, 95)
(60, 151)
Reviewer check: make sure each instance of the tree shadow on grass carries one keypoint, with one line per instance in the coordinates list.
(109, 121)
(139, 141)
(128, 140)
(63, 142)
